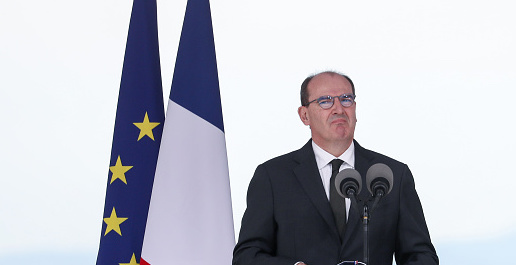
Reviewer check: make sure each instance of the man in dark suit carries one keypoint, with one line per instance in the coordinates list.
(289, 219)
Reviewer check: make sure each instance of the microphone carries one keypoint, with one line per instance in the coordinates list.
(379, 178)
(348, 183)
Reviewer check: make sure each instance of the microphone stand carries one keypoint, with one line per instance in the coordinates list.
(365, 223)
(378, 186)
(365, 217)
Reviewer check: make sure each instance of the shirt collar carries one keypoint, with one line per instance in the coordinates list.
(323, 158)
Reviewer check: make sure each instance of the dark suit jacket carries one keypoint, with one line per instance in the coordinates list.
(289, 219)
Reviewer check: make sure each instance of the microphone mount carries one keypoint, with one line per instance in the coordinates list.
(379, 179)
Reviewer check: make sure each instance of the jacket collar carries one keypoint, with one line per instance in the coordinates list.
(308, 175)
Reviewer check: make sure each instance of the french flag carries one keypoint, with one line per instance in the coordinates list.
(190, 217)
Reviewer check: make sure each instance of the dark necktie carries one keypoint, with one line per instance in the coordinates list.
(338, 203)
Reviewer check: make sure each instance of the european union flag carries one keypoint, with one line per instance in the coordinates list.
(136, 140)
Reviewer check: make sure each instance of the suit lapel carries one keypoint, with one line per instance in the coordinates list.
(308, 175)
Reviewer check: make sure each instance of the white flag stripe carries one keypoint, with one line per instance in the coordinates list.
(190, 216)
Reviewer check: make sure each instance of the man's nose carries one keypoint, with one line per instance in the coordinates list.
(337, 106)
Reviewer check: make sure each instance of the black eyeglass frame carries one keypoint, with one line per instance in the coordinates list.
(344, 100)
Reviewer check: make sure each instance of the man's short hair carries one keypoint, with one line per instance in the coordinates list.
(304, 85)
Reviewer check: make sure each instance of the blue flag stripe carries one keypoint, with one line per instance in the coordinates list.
(195, 84)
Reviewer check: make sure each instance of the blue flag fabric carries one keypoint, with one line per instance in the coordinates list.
(195, 85)
(136, 141)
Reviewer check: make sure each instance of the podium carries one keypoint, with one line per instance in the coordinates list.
(351, 263)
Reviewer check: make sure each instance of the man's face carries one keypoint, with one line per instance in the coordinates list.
(335, 125)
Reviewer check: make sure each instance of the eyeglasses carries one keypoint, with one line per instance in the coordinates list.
(326, 102)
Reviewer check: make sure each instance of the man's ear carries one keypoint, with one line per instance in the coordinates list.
(303, 115)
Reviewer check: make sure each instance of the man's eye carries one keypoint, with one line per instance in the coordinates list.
(324, 100)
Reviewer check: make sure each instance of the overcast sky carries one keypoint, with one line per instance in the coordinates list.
(435, 84)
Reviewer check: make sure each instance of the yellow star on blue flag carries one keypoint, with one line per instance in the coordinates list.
(133, 159)
(146, 127)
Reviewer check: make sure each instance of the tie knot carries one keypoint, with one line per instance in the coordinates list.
(335, 165)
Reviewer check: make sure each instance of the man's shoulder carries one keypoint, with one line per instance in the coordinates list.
(282, 159)
(373, 157)
(294, 157)
(306, 154)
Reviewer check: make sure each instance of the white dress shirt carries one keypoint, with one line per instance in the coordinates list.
(323, 160)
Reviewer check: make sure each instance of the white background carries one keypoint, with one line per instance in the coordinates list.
(435, 84)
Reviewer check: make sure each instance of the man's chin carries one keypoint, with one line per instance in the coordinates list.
(342, 134)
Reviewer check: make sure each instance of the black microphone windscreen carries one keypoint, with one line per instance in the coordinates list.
(345, 176)
(379, 172)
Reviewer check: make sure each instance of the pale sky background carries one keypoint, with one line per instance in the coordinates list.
(435, 84)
